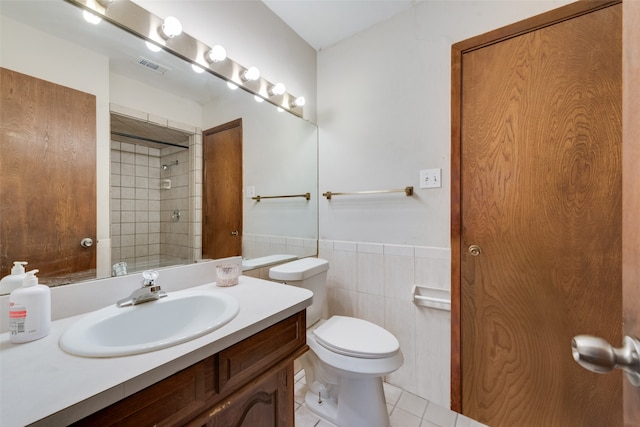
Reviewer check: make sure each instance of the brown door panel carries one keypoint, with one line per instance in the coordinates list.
(47, 176)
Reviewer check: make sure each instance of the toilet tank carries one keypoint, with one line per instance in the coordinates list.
(308, 273)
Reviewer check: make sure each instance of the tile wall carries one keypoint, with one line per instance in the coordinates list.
(150, 214)
(259, 245)
(145, 232)
(174, 206)
(375, 282)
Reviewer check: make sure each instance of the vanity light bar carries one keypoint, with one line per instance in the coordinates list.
(138, 21)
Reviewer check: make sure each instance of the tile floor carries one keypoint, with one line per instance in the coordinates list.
(405, 410)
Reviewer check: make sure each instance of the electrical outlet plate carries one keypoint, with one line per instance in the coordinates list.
(430, 178)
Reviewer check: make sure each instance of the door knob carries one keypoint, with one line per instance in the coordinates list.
(597, 355)
(86, 242)
(234, 233)
(474, 250)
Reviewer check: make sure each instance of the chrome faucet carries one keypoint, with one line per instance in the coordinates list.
(149, 291)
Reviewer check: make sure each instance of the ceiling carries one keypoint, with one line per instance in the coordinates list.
(323, 23)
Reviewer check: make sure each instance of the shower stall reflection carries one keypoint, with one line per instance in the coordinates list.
(149, 184)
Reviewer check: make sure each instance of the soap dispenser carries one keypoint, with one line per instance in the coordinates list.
(29, 310)
(13, 280)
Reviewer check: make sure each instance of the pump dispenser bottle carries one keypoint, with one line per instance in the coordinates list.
(13, 280)
(29, 310)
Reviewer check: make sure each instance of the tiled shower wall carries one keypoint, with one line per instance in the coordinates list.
(145, 233)
(174, 206)
(375, 282)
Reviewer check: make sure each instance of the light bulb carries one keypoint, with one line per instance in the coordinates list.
(171, 27)
(198, 69)
(252, 73)
(298, 102)
(91, 18)
(258, 98)
(152, 47)
(232, 86)
(217, 54)
(278, 89)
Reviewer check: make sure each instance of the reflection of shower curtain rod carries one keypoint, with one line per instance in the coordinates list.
(141, 138)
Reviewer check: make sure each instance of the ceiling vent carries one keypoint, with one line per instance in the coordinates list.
(161, 69)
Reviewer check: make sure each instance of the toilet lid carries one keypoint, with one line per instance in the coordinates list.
(356, 338)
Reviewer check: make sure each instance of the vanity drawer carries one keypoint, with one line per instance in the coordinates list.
(245, 360)
(169, 402)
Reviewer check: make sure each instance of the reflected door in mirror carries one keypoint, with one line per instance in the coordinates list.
(47, 177)
(222, 191)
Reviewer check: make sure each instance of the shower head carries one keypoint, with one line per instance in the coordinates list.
(168, 165)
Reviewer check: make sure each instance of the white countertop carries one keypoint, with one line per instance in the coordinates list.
(41, 383)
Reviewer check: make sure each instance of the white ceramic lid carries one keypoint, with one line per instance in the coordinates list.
(299, 270)
(356, 338)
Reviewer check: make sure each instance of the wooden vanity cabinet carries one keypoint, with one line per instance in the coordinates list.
(265, 402)
(249, 384)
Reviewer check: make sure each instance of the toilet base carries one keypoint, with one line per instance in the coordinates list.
(360, 403)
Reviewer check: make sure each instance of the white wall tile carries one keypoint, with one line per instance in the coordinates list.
(342, 302)
(370, 307)
(325, 244)
(433, 351)
(398, 277)
(400, 321)
(432, 272)
(370, 248)
(344, 269)
(431, 252)
(152, 118)
(325, 251)
(370, 273)
(424, 334)
(343, 246)
(400, 250)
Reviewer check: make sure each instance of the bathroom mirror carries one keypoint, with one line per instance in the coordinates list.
(279, 148)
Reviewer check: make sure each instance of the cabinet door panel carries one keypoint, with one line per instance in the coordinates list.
(266, 402)
(256, 353)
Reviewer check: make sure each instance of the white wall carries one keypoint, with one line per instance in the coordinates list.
(279, 158)
(384, 114)
(140, 97)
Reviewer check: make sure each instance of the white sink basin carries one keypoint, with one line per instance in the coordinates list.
(177, 318)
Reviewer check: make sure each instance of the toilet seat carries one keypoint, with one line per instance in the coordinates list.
(358, 338)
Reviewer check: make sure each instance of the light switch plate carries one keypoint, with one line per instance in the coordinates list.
(250, 192)
(430, 178)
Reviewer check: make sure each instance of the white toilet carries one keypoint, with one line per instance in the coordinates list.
(348, 356)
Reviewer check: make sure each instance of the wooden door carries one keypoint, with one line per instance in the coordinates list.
(222, 191)
(47, 177)
(631, 193)
(539, 161)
